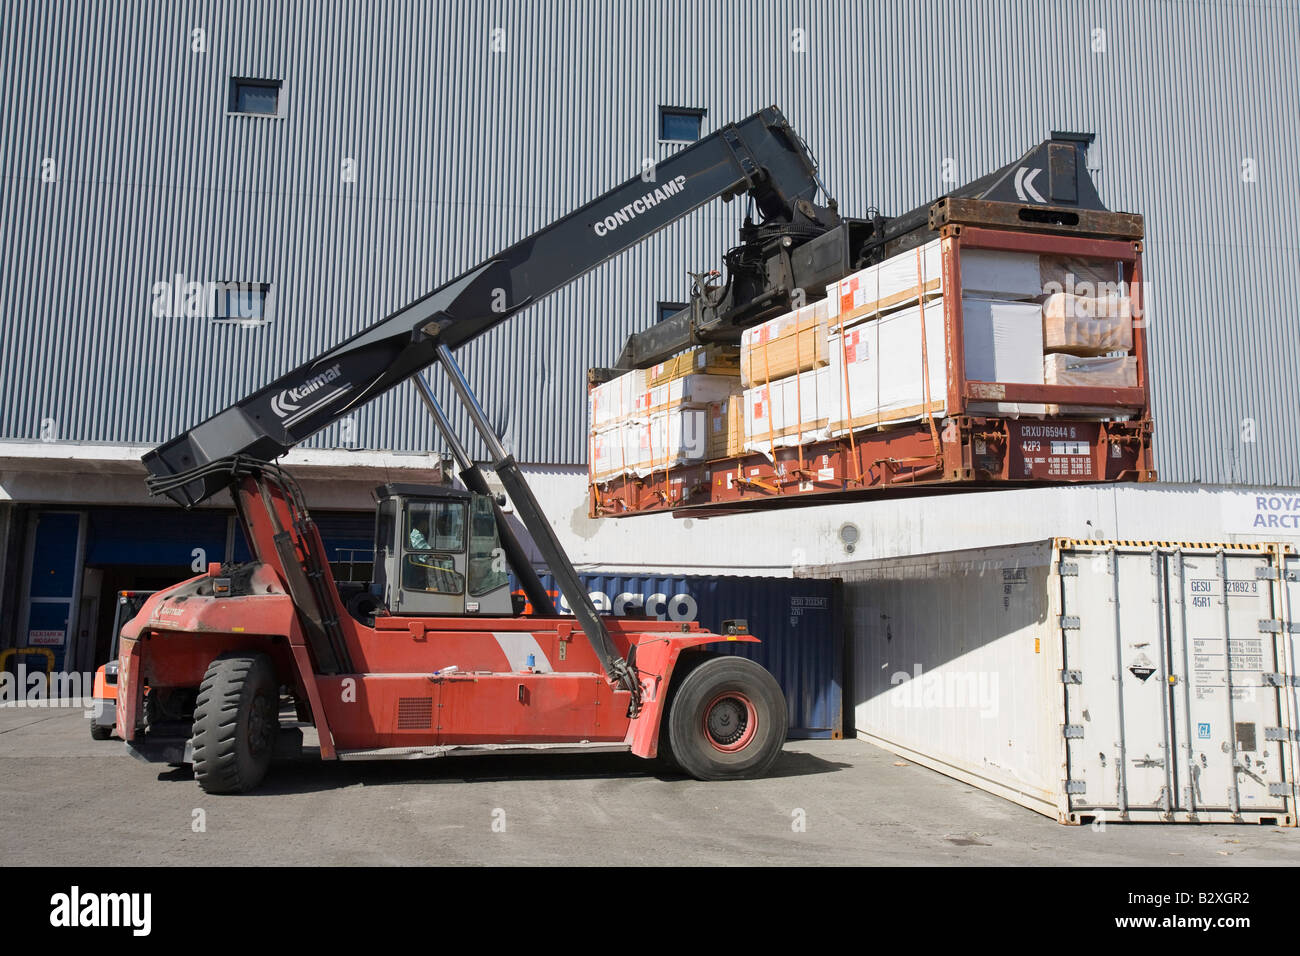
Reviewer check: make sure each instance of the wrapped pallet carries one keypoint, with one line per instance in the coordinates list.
(698, 390)
(727, 428)
(1090, 371)
(672, 437)
(1093, 371)
(916, 274)
(792, 411)
(1003, 342)
(615, 400)
(614, 451)
(888, 285)
(1087, 325)
(1077, 275)
(790, 343)
(705, 359)
(879, 374)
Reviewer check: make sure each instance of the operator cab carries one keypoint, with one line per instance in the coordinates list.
(437, 552)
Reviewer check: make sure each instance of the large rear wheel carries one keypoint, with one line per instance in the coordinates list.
(727, 720)
(236, 720)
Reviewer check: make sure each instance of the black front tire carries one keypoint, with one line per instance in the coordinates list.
(727, 720)
(236, 721)
(101, 731)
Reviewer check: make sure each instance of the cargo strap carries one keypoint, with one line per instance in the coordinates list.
(771, 404)
(798, 390)
(925, 358)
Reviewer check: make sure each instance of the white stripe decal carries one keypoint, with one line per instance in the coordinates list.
(517, 645)
(299, 416)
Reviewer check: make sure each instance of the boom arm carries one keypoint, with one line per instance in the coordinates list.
(761, 156)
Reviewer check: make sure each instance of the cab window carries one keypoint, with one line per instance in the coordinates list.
(435, 573)
(435, 526)
(487, 565)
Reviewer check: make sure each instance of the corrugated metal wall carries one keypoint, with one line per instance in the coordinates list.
(460, 150)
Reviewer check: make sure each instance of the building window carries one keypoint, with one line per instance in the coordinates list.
(242, 302)
(256, 97)
(679, 124)
(666, 310)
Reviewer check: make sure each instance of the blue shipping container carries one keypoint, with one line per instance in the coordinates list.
(798, 621)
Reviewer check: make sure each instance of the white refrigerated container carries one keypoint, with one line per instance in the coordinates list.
(1138, 681)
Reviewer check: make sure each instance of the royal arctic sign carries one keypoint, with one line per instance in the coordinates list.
(621, 217)
(1272, 514)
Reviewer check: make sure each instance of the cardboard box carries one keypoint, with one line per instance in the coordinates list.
(791, 411)
(615, 400)
(790, 343)
(878, 373)
(1087, 325)
(727, 428)
(708, 359)
(1090, 371)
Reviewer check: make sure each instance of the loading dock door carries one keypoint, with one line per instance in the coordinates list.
(53, 591)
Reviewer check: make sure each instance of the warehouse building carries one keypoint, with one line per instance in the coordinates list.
(199, 197)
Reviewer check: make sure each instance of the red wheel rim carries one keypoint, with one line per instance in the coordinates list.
(730, 722)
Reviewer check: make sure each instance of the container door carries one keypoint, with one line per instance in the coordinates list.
(1117, 728)
(1227, 712)
(1289, 607)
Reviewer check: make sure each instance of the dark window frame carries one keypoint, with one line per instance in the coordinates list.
(220, 310)
(682, 112)
(665, 310)
(232, 96)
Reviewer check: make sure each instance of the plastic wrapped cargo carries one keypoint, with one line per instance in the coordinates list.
(790, 343)
(616, 399)
(672, 437)
(614, 451)
(1087, 325)
(1003, 342)
(878, 371)
(1080, 275)
(789, 412)
(1090, 371)
(904, 279)
(687, 390)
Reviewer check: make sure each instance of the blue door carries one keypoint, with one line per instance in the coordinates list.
(54, 587)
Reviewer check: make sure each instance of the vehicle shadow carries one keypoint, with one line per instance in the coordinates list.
(310, 775)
